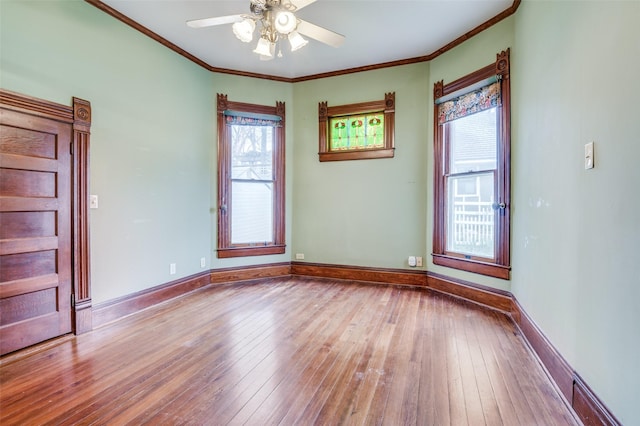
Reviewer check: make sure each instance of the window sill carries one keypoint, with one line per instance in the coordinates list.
(475, 266)
(361, 154)
(250, 251)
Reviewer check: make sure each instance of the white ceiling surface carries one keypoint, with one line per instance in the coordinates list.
(375, 31)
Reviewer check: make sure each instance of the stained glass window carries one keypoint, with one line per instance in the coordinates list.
(364, 131)
(361, 131)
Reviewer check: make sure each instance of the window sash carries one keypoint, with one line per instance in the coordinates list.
(483, 155)
(471, 217)
(252, 213)
(253, 161)
(251, 210)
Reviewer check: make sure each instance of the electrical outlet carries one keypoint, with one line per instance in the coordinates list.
(299, 256)
(412, 261)
(418, 261)
(172, 269)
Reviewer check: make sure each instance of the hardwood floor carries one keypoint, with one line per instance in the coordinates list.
(291, 351)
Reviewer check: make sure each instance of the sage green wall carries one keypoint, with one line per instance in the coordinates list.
(576, 239)
(365, 212)
(153, 154)
(150, 137)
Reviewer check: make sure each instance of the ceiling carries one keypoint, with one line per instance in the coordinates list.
(376, 32)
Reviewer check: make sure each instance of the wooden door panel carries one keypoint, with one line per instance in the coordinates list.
(28, 285)
(35, 240)
(23, 183)
(28, 305)
(29, 143)
(27, 224)
(41, 328)
(25, 245)
(17, 204)
(27, 265)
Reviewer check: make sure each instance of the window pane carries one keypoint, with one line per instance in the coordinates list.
(473, 142)
(252, 152)
(363, 131)
(470, 215)
(252, 212)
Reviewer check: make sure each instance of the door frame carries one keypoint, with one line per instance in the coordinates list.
(78, 116)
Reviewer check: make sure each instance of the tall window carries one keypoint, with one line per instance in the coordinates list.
(472, 171)
(250, 179)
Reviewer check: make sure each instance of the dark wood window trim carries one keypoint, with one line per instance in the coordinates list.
(500, 267)
(325, 112)
(225, 248)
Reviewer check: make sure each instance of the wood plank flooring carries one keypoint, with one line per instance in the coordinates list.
(291, 351)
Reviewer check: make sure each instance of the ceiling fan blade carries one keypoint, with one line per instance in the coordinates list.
(299, 4)
(321, 34)
(218, 20)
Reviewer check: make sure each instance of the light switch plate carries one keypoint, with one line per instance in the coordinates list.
(588, 156)
(93, 202)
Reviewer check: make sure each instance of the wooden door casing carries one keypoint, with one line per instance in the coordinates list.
(35, 223)
(43, 220)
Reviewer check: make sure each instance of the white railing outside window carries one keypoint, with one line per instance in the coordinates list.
(472, 226)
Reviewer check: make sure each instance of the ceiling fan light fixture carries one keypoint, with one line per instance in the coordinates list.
(277, 22)
(243, 30)
(285, 22)
(297, 41)
(265, 48)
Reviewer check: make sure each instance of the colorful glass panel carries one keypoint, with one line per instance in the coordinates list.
(362, 131)
(470, 103)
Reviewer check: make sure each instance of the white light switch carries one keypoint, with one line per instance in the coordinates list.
(588, 156)
(93, 202)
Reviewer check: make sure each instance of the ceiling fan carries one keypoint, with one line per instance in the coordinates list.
(277, 22)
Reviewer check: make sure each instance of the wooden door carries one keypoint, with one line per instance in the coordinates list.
(35, 229)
